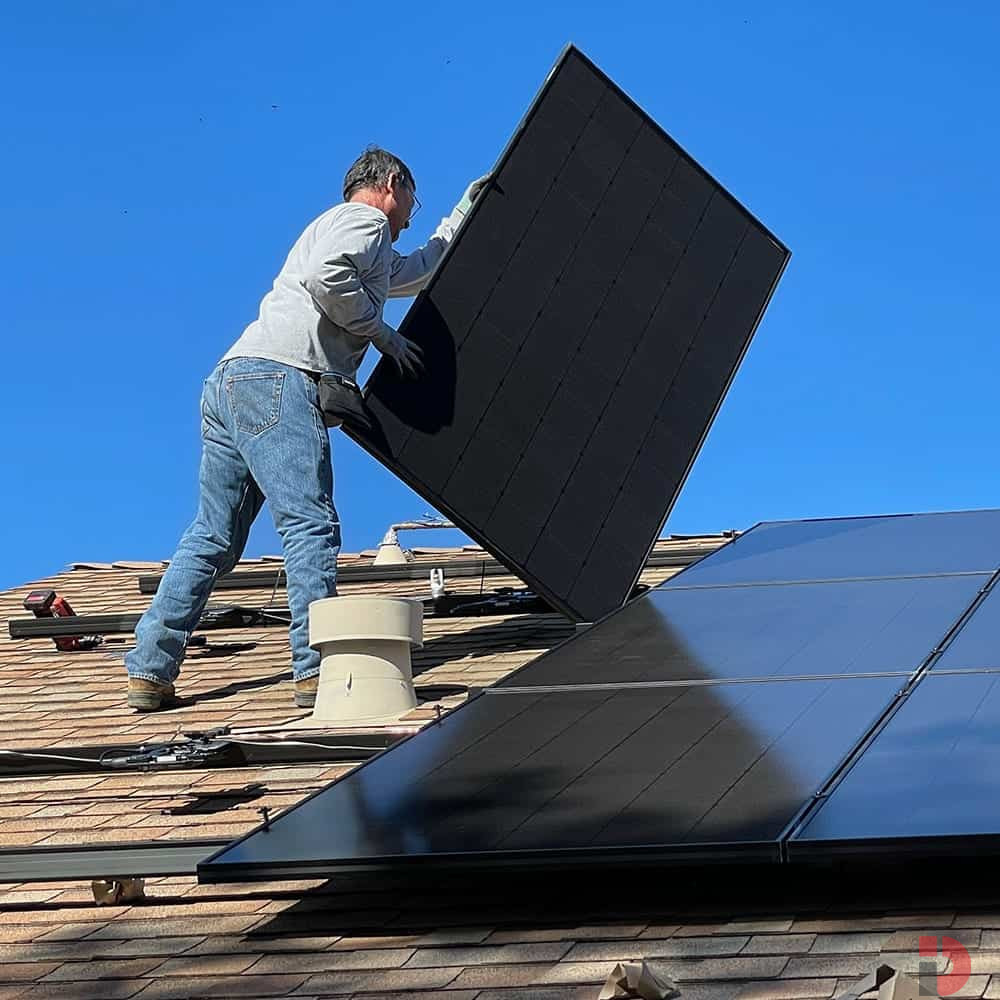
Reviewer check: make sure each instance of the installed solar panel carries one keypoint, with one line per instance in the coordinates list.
(929, 783)
(854, 548)
(719, 633)
(977, 645)
(579, 337)
(684, 772)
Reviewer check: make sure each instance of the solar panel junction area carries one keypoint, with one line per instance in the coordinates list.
(813, 688)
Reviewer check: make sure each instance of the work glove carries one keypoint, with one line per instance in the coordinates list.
(407, 355)
(472, 192)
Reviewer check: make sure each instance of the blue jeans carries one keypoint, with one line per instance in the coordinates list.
(263, 437)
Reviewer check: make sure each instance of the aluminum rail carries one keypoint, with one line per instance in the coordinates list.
(84, 861)
(260, 579)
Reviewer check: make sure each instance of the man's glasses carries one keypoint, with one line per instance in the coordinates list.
(413, 195)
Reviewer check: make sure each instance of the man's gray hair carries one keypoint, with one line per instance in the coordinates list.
(372, 169)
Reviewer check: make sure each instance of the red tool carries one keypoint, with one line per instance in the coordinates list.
(48, 604)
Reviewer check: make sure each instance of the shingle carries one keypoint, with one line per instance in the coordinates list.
(104, 969)
(821, 967)
(984, 962)
(849, 944)
(426, 995)
(787, 989)
(225, 986)
(454, 935)
(490, 955)
(334, 961)
(757, 926)
(24, 972)
(511, 976)
(177, 927)
(909, 940)
(208, 965)
(779, 944)
(694, 947)
(543, 993)
(381, 981)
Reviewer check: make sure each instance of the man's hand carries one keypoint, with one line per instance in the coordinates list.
(406, 354)
(472, 192)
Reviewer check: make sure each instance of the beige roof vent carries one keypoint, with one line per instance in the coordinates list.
(391, 553)
(364, 645)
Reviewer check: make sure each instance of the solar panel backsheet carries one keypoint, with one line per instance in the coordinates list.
(579, 337)
(728, 720)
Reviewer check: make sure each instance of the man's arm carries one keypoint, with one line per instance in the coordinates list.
(411, 272)
(350, 249)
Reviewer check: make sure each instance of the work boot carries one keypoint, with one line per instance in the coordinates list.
(148, 696)
(305, 692)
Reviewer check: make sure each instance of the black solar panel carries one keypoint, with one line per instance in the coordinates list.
(683, 772)
(741, 719)
(929, 783)
(977, 645)
(579, 337)
(854, 548)
(722, 633)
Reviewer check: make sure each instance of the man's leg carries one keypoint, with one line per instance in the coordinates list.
(283, 438)
(228, 503)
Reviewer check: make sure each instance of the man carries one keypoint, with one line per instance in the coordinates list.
(263, 431)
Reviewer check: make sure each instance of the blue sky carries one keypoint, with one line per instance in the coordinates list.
(162, 157)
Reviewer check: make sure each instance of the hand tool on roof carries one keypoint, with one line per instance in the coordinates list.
(48, 604)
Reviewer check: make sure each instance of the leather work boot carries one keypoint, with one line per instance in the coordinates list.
(148, 696)
(305, 692)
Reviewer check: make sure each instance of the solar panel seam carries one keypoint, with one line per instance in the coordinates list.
(642, 334)
(685, 682)
(688, 750)
(472, 428)
(565, 269)
(641, 557)
(590, 768)
(534, 750)
(751, 584)
(764, 750)
(850, 760)
(460, 452)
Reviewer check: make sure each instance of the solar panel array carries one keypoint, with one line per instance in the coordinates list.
(812, 687)
(579, 337)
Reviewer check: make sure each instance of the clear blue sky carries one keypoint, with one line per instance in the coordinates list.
(160, 158)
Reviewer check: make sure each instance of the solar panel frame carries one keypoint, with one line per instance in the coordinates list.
(613, 801)
(542, 536)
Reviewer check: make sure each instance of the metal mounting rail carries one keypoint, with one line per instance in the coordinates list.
(85, 861)
(262, 579)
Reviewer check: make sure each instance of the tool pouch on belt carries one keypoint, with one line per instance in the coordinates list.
(341, 401)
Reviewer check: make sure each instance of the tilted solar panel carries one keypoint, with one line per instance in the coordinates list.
(579, 336)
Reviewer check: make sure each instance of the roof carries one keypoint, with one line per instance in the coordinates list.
(319, 938)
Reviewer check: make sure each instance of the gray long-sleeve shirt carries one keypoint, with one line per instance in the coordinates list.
(325, 306)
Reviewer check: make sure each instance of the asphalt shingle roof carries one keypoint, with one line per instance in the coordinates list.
(482, 941)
